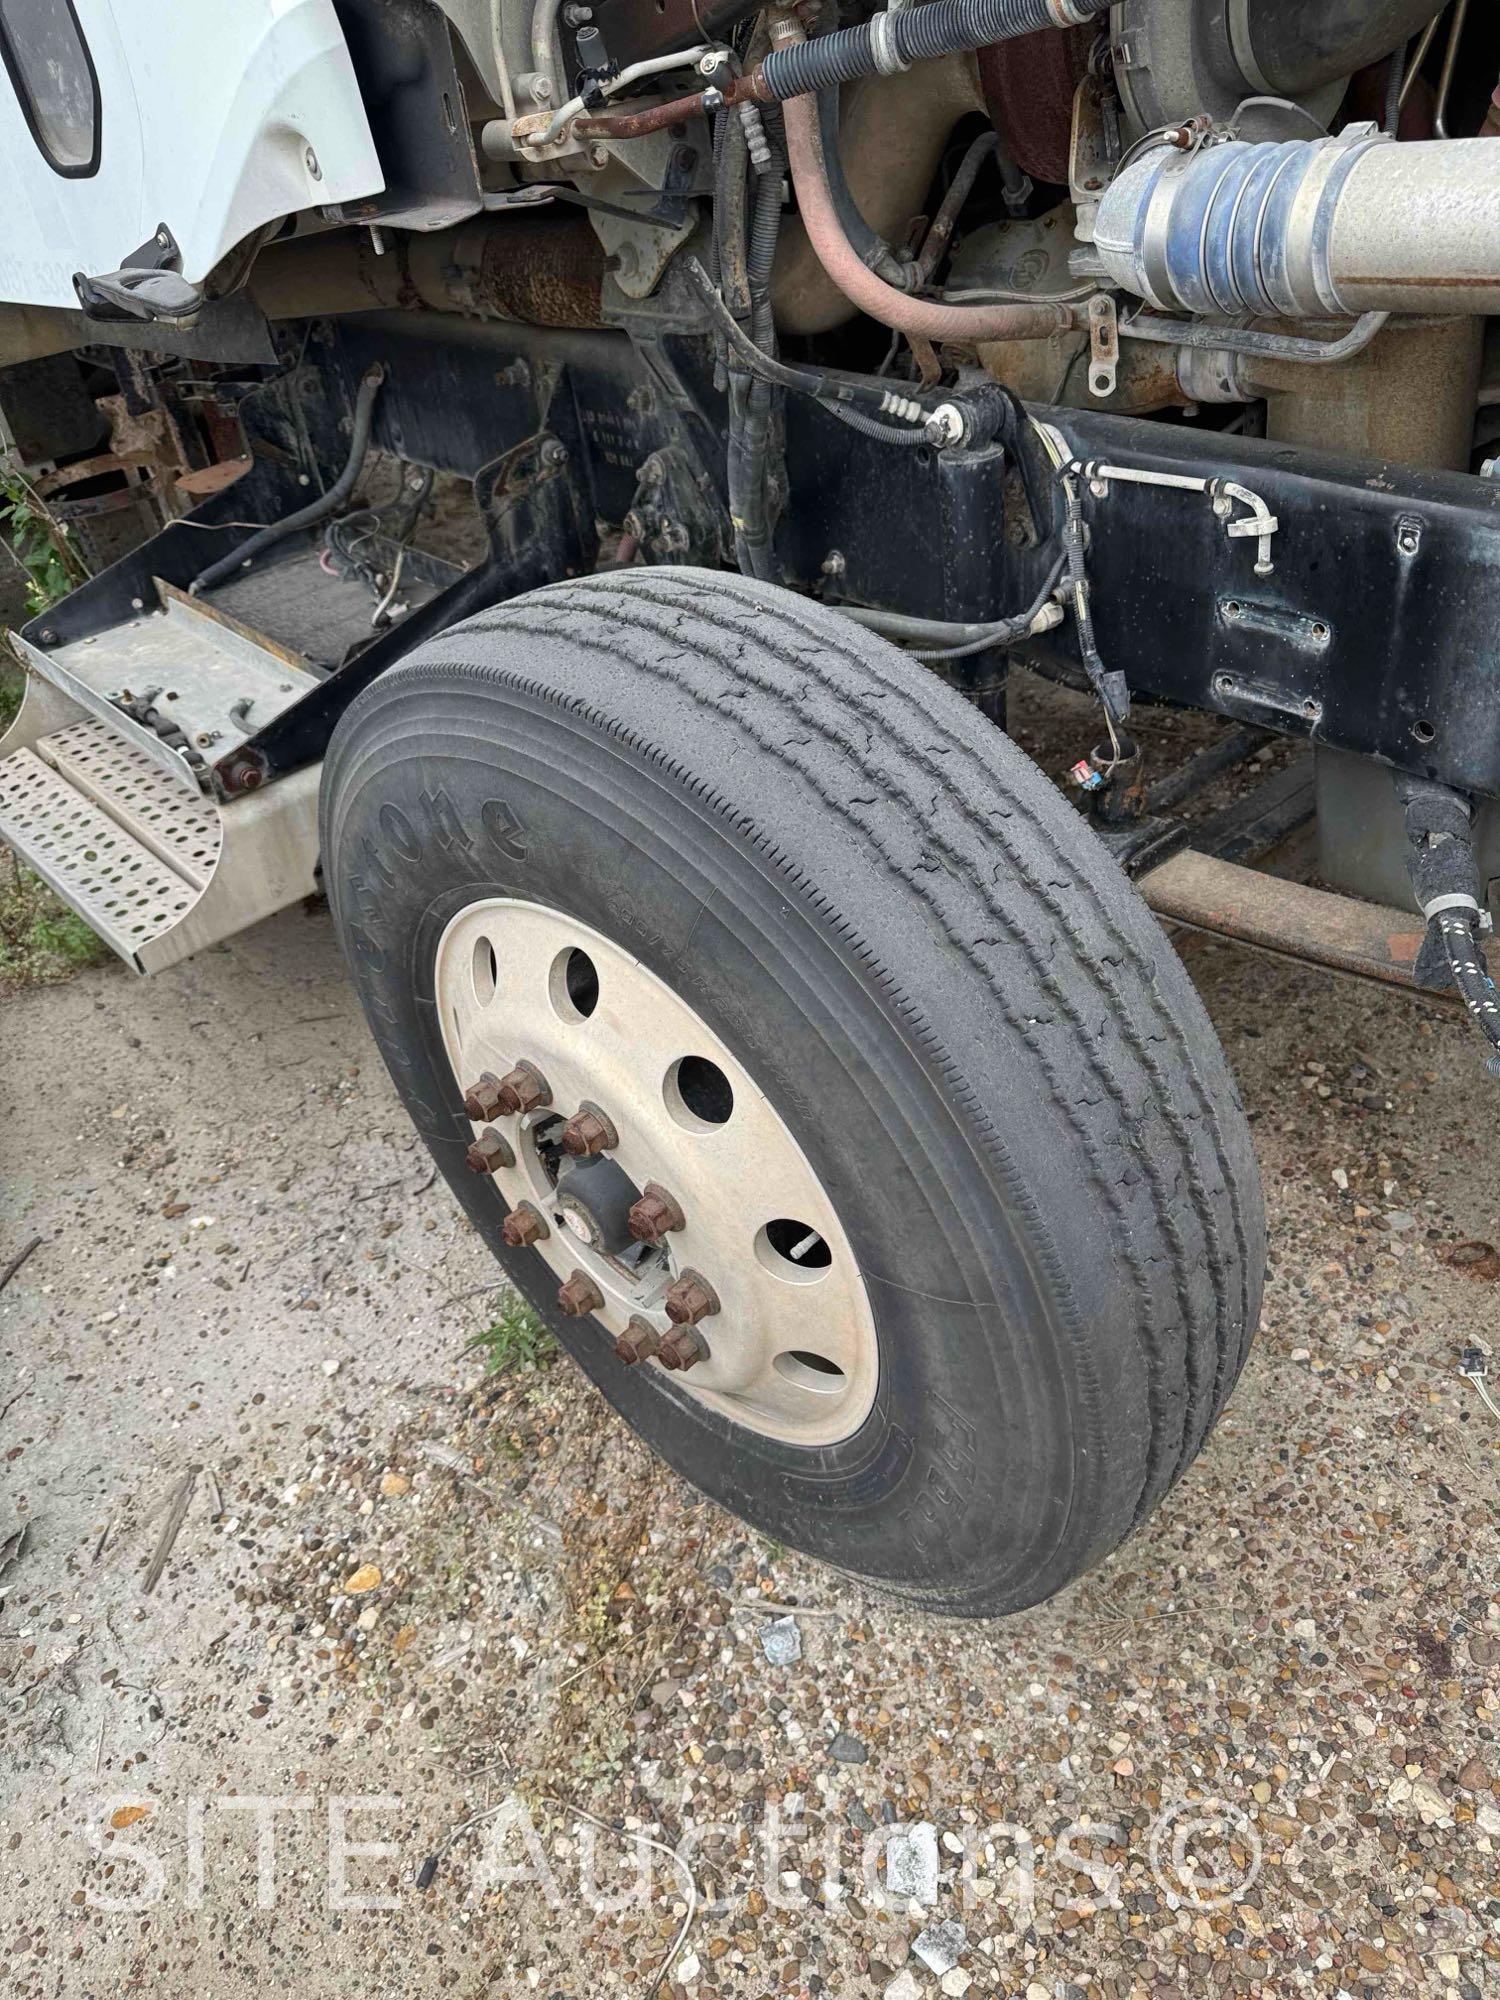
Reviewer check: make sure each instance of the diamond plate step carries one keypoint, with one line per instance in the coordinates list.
(127, 893)
(183, 831)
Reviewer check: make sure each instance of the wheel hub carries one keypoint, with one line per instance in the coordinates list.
(668, 1187)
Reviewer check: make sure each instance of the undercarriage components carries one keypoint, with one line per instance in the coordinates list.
(323, 508)
(540, 266)
(1305, 228)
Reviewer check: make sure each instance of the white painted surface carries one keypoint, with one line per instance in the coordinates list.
(209, 108)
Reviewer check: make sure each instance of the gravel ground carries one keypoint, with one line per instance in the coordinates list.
(403, 1593)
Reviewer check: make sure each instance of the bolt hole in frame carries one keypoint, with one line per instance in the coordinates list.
(792, 1351)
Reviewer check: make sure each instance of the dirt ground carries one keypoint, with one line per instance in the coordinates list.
(403, 1593)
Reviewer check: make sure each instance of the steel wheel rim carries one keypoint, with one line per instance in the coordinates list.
(792, 1351)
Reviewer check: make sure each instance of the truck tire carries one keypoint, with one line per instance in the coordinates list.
(957, 1153)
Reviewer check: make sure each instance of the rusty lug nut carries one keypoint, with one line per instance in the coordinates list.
(690, 1299)
(524, 1225)
(522, 1089)
(482, 1101)
(579, 1296)
(588, 1133)
(684, 1347)
(489, 1153)
(654, 1214)
(639, 1341)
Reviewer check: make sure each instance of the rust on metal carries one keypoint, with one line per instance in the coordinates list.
(638, 1342)
(482, 1099)
(578, 1296)
(636, 124)
(690, 1299)
(201, 608)
(489, 1153)
(655, 1214)
(524, 1225)
(684, 1347)
(523, 1089)
(588, 1133)
(1316, 926)
(540, 268)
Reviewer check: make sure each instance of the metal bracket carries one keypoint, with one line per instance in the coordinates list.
(1104, 345)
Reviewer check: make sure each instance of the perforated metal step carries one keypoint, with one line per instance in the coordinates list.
(127, 893)
(184, 831)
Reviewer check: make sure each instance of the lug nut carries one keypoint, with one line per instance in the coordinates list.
(482, 1101)
(684, 1347)
(639, 1341)
(522, 1089)
(524, 1225)
(588, 1133)
(579, 1296)
(690, 1299)
(654, 1214)
(489, 1153)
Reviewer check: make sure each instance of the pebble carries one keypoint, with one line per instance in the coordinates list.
(903, 1987)
(940, 1946)
(781, 1641)
(911, 1863)
(847, 1749)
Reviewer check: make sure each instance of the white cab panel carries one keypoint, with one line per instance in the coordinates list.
(209, 110)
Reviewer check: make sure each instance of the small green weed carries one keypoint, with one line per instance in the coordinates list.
(40, 941)
(37, 545)
(516, 1339)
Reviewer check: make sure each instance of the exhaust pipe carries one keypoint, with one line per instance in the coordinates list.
(1308, 228)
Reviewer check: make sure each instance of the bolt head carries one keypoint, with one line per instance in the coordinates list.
(683, 1348)
(578, 1296)
(489, 1153)
(523, 1226)
(690, 1299)
(638, 1342)
(588, 1133)
(482, 1099)
(523, 1089)
(655, 1214)
(311, 160)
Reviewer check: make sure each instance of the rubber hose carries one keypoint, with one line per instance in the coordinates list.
(860, 285)
(869, 245)
(871, 427)
(916, 34)
(319, 509)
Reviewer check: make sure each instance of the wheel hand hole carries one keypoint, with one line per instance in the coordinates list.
(810, 1371)
(574, 985)
(698, 1093)
(792, 1250)
(486, 971)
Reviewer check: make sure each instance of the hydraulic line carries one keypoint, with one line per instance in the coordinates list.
(860, 285)
(317, 510)
(1445, 880)
(940, 235)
